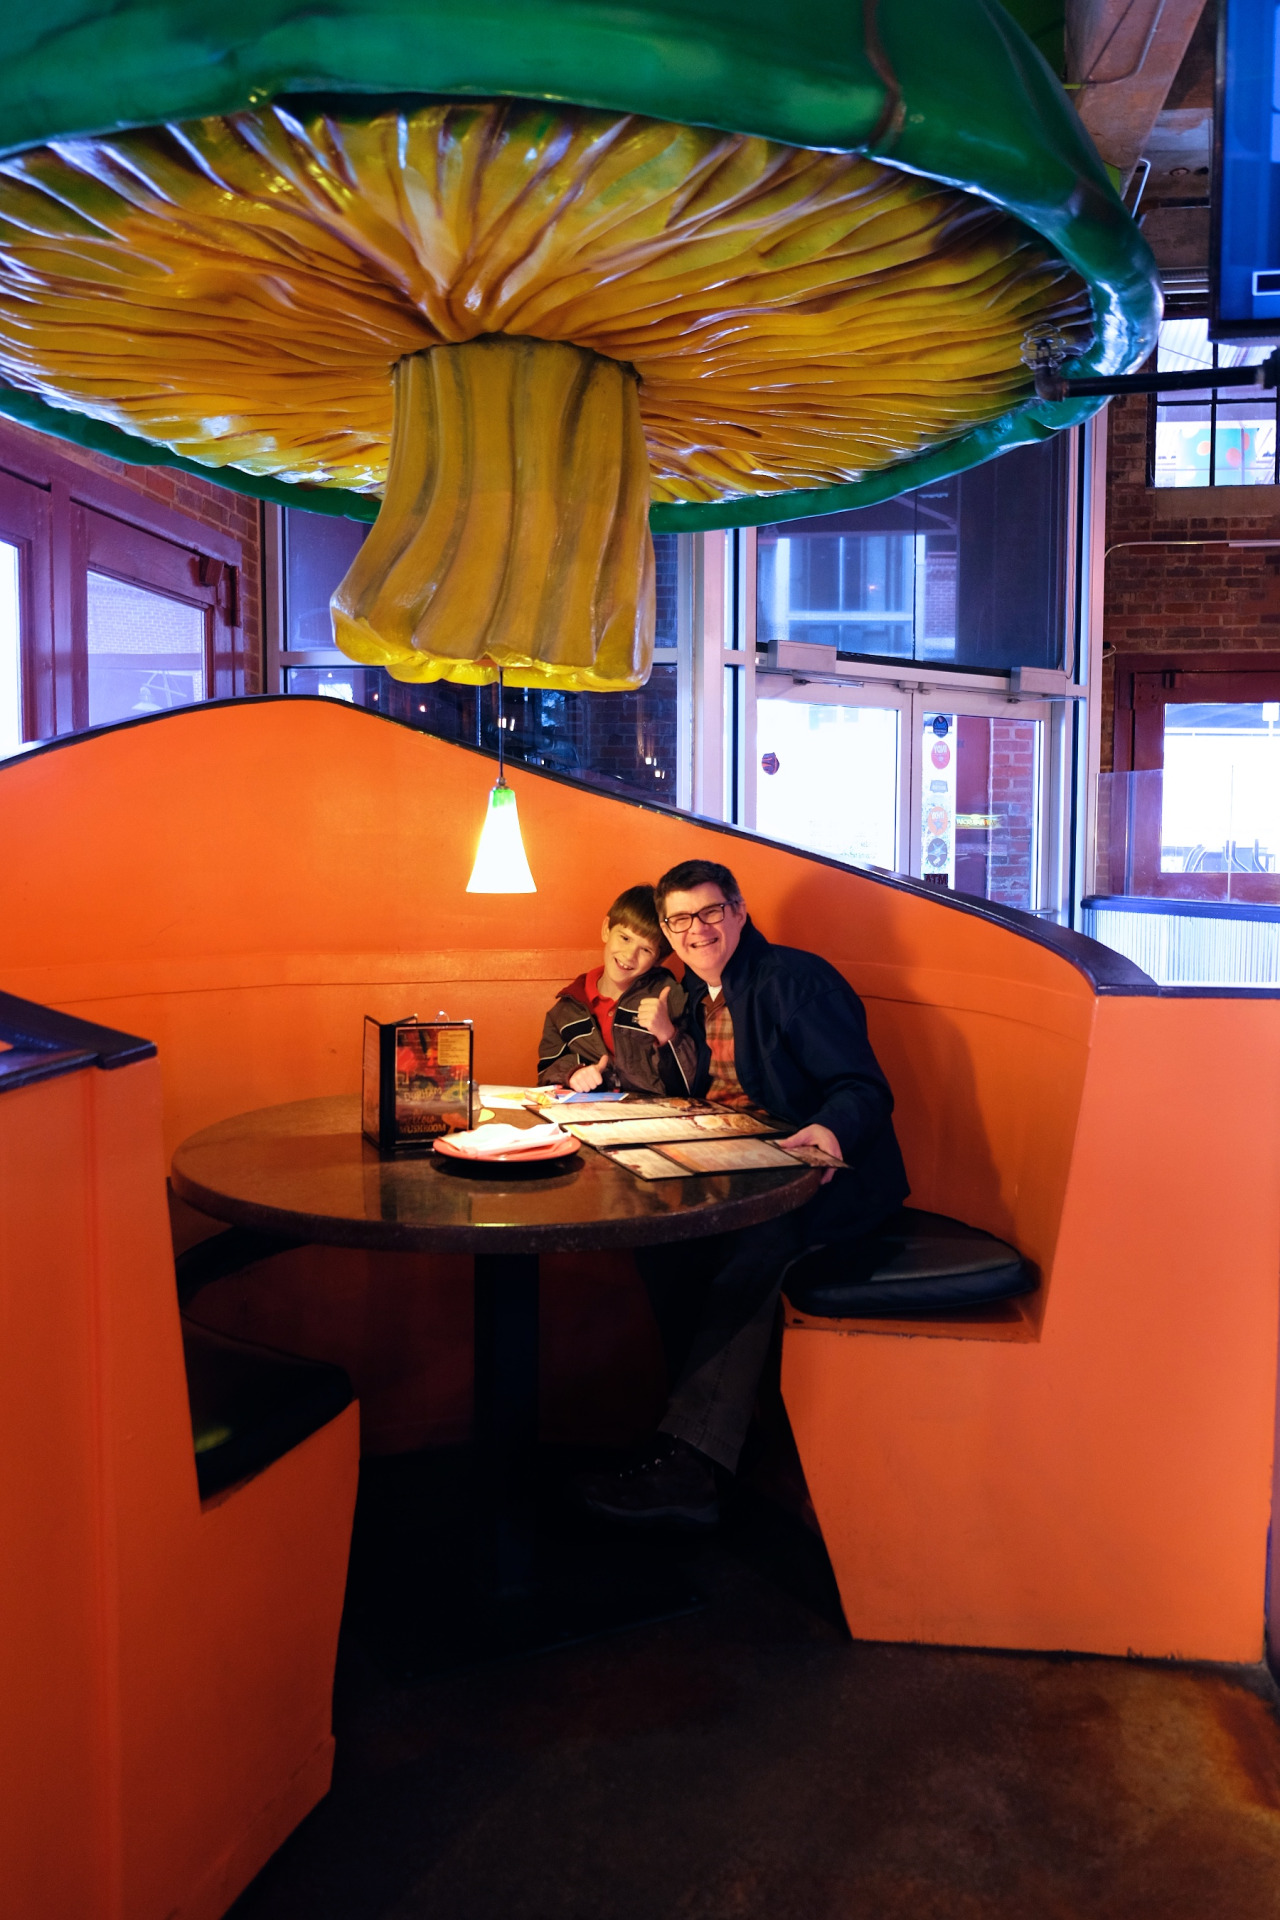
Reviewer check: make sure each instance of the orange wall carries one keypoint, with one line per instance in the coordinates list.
(1106, 1487)
(166, 1667)
(57, 1837)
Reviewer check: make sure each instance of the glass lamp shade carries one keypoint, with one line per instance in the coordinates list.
(501, 866)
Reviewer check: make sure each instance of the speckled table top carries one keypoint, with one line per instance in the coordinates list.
(305, 1171)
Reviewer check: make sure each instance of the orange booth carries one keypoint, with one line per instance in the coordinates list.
(1088, 1469)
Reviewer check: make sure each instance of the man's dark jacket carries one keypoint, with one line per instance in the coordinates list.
(801, 1051)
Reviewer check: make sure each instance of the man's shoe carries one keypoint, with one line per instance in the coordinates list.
(670, 1485)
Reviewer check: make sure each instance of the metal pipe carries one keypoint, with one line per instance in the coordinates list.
(1262, 375)
(1117, 544)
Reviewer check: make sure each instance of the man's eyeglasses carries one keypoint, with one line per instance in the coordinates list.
(709, 916)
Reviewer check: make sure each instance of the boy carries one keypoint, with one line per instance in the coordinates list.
(597, 1033)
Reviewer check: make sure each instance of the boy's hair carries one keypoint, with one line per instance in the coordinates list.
(697, 873)
(637, 909)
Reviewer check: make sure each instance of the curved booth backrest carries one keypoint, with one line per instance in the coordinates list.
(242, 883)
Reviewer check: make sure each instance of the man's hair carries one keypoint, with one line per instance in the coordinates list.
(697, 873)
(637, 909)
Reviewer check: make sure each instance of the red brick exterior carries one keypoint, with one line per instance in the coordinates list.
(1181, 599)
(1013, 801)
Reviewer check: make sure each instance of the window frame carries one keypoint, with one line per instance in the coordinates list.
(25, 523)
(70, 511)
(1145, 684)
(282, 660)
(724, 664)
(1218, 396)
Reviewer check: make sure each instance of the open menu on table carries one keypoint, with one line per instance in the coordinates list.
(679, 1158)
(694, 1125)
(594, 1117)
(685, 1157)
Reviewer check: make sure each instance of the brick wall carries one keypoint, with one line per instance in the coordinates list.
(1013, 802)
(200, 500)
(1181, 599)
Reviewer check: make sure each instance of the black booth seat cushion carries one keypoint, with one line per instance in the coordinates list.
(919, 1263)
(250, 1405)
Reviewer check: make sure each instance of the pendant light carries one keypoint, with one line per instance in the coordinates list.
(501, 865)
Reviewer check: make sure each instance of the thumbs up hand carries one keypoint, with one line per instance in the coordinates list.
(652, 1014)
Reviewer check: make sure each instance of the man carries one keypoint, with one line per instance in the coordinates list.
(778, 1028)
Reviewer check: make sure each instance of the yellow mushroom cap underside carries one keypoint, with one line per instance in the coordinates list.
(240, 289)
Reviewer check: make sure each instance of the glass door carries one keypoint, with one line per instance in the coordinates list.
(981, 790)
(833, 770)
(943, 784)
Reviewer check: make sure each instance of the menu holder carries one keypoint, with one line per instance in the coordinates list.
(416, 1082)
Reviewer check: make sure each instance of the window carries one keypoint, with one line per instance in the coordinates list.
(964, 573)
(625, 740)
(112, 605)
(11, 734)
(1215, 437)
(831, 776)
(778, 700)
(26, 664)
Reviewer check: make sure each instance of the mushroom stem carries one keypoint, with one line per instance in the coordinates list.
(514, 529)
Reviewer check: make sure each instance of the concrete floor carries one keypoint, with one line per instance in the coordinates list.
(749, 1762)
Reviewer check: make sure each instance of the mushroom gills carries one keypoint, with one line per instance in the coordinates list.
(514, 528)
(586, 312)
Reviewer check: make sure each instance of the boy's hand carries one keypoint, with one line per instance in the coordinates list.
(587, 1079)
(652, 1015)
(815, 1136)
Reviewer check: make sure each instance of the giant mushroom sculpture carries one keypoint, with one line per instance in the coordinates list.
(528, 321)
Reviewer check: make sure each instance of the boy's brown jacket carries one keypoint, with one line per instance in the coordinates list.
(571, 1038)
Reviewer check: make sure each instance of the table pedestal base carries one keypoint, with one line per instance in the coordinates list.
(419, 1604)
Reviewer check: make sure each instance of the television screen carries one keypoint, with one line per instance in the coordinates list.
(1245, 265)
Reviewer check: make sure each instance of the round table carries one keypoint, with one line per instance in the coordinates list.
(304, 1173)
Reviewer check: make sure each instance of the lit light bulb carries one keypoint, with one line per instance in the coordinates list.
(501, 866)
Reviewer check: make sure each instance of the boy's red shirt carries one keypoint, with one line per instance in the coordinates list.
(586, 988)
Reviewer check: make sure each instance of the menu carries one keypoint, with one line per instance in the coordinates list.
(690, 1126)
(677, 1157)
(649, 1163)
(726, 1156)
(594, 1116)
(684, 1157)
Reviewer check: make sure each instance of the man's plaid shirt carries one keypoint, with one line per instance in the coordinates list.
(726, 1089)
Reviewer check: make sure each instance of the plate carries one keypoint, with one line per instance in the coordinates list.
(555, 1150)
